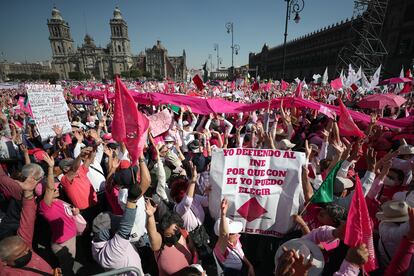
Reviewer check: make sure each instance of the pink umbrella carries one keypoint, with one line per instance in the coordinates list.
(379, 101)
(394, 81)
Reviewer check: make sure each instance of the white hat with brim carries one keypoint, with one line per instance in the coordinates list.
(393, 211)
(235, 227)
(342, 183)
(286, 144)
(309, 249)
(406, 150)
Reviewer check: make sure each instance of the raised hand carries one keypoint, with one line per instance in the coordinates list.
(78, 135)
(49, 160)
(308, 149)
(300, 266)
(224, 206)
(23, 148)
(149, 209)
(357, 255)
(29, 184)
(371, 157)
(193, 172)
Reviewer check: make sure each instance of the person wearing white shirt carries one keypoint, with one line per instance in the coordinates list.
(187, 128)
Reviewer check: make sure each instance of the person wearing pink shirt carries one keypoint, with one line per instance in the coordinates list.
(60, 216)
(17, 257)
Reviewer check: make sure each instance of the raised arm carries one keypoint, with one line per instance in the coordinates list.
(50, 187)
(154, 237)
(28, 214)
(224, 227)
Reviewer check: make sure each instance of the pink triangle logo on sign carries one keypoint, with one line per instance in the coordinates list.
(251, 210)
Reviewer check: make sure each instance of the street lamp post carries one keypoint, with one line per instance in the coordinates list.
(234, 47)
(216, 48)
(292, 7)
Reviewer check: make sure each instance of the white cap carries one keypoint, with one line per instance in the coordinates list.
(235, 227)
(286, 144)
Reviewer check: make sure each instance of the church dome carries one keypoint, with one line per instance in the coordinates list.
(117, 13)
(56, 14)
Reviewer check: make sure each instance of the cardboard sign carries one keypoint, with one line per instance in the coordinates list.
(49, 109)
(262, 187)
(160, 122)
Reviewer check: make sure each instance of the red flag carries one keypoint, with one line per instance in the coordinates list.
(255, 86)
(346, 125)
(359, 226)
(407, 85)
(198, 82)
(298, 91)
(336, 84)
(354, 87)
(129, 125)
(284, 85)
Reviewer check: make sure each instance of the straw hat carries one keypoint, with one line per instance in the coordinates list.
(393, 211)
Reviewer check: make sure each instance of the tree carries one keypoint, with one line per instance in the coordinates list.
(78, 76)
(146, 74)
(134, 74)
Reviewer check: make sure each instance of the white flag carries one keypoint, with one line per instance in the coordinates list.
(316, 77)
(375, 78)
(400, 86)
(325, 77)
(351, 77)
(365, 82)
(358, 75)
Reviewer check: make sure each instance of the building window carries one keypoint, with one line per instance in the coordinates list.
(59, 49)
(119, 48)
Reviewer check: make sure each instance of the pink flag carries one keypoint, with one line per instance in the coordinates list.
(129, 125)
(346, 125)
(336, 84)
(23, 107)
(327, 111)
(68, 139)
(284, 85)
(298, 91)
(359, 226)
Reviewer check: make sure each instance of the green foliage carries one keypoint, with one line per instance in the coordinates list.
(78, 76)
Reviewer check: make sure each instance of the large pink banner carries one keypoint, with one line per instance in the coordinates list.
(217, 105)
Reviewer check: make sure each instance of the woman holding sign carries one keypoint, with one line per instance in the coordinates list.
(228, 250)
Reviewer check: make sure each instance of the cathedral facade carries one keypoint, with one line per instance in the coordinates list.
(115, 58)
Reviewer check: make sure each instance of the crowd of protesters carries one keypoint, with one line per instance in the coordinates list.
(76, 204)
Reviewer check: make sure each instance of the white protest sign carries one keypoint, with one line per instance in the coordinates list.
(262, 186)
(49, 108)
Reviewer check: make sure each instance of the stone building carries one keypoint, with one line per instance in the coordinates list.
(160, 65)
(115, 58)
(30, 69)
(312, 53)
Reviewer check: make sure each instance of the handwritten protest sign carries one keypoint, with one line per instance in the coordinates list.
(160, 122)
(262, 187)
(49, 108)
